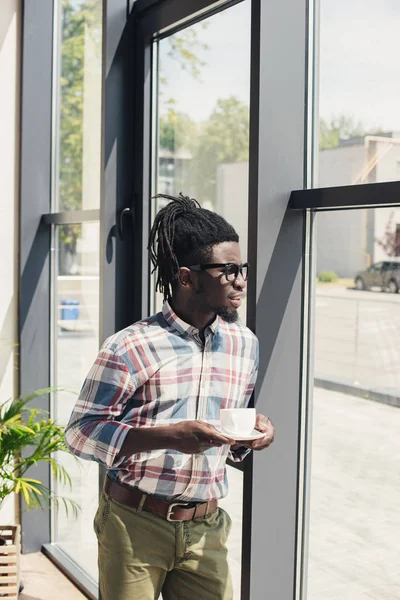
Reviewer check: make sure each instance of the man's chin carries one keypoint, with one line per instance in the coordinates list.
(230, 316)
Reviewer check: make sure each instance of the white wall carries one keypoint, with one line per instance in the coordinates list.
(340, 166)
(345, 239)
(341, 242)
(9, 85)
(232, 198)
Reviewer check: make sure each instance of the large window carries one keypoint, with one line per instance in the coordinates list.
(359, 118)
(75, 258)
(202, 116)
(75, 345)
(355, 485)
(201, 124)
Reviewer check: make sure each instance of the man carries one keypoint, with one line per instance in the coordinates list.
(149, 411)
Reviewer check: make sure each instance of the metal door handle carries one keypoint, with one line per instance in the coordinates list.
(120, 222)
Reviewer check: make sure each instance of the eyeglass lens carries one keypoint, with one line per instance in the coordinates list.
(232, 272)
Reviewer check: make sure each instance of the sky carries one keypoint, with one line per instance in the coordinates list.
(227, 69)
(359, 62)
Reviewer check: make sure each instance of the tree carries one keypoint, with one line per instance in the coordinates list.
(390, 241)
(337, 128)
(176, 130)
(183, 48)
(76, 19)
(224, 138)
(340, 128)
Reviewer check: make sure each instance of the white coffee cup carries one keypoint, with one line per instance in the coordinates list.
(239, 421)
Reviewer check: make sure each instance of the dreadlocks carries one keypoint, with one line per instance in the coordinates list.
(183, 234)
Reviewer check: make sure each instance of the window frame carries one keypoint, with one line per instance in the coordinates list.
(279, 328)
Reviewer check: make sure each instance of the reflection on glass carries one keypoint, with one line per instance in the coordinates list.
(78, 105)
(203, 117)
(359, 97)
(75, 345)
(355, 485)
(233, 504)
(202, 77)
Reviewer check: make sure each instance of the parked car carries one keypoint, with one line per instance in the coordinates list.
(385, 275)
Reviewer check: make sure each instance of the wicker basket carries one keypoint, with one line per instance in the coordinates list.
(9, 561)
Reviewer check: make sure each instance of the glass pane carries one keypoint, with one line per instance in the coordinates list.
(77, 89)
(359, 94)
(355, 479)
(233, 504)
(202, 150)
(75, 346)
(202, 78)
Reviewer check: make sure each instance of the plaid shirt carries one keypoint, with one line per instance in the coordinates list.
(159, 372)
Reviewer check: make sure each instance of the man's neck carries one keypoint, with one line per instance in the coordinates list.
(192, 315)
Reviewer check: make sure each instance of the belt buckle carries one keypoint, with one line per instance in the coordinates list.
(170, 511)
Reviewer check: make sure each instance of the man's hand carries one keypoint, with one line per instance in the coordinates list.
(262, 424)
(192, 437)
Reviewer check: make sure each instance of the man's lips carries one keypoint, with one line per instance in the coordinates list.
(236, 301)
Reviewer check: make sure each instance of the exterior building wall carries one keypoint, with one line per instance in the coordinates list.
(341, 242)
(232, 198)
(347, 241)
(386, 219)
(9, 110)
(388, 167)
(340, 166)
(341, 235)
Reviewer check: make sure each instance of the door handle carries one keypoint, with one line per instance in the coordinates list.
(125, 212)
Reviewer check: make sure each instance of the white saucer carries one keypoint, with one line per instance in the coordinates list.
(254, 435)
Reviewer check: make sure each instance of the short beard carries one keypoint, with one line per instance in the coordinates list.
(223, 312)
(226, 315)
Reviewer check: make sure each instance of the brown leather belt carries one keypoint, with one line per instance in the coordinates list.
(172, 511)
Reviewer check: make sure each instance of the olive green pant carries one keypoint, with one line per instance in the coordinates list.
(142, 556)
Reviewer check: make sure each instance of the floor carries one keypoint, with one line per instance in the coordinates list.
(354, 542)
(41, 578)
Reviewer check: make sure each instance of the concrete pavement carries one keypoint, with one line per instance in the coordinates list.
(357, 338)
(354, 544)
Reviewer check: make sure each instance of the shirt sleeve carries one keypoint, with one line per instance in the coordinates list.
(93, 431)
(240, 453)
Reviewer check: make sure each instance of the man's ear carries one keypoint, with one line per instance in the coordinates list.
(185, 277)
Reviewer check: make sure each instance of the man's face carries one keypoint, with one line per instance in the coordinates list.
(214, 292)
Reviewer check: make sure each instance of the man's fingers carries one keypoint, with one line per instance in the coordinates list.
(263, 423)
(214, 436)
(207, 425)
(263, 442)
(217, 438)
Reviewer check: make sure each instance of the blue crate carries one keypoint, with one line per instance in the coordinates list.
(71, 310)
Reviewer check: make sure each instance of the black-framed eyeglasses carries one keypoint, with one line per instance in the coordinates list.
(230, 270)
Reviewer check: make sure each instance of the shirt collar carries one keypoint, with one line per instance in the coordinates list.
(181, 326)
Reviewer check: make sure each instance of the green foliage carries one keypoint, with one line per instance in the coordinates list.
(340, 128)
(183, 48)
(223, 139)
(78, 19)
(327, 277)
(176, 130)
(28, 437)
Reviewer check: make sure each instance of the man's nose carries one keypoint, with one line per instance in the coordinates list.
(240, 283)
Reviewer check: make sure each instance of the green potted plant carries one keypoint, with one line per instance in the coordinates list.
(27, 437)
